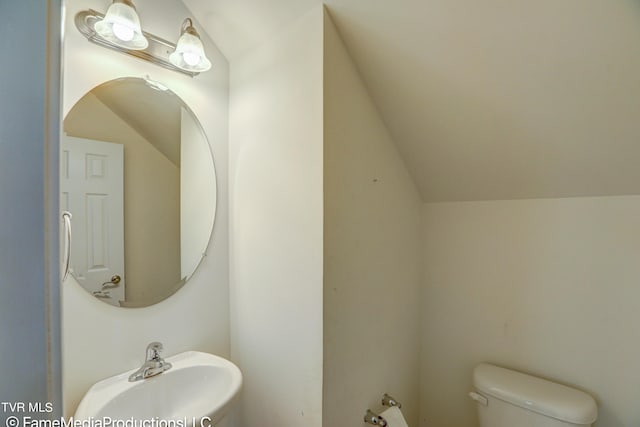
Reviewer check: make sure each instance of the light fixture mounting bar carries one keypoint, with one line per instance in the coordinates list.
(157, 52)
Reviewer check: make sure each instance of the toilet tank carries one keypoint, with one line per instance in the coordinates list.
(508, 398)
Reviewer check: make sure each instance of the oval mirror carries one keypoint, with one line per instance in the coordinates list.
(137, 175)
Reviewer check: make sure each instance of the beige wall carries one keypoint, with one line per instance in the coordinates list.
(276, 224)
(372, 252)
(548, 286)
(197, 316)
(151, 201)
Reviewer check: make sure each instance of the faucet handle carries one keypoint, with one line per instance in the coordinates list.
(153, 351)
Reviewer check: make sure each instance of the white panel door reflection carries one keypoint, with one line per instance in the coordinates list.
(92, 190)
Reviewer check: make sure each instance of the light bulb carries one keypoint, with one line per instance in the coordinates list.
(123, 32)
(191, 58)
(189, 53)
(121, 26)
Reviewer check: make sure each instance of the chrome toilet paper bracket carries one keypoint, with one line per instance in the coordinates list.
(390, 401)
(372, 418)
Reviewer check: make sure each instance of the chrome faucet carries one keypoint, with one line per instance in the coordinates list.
(153, 365)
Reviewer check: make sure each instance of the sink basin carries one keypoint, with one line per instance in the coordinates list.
(198, 385)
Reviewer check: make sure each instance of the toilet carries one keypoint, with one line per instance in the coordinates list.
(507, 398)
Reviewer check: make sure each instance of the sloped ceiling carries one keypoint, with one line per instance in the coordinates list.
(493, 99)
(155, 115)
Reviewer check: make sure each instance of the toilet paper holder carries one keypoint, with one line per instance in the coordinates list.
(390, 401)
(372, 418)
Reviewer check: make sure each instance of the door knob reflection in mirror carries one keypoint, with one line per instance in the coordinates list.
(113, 283)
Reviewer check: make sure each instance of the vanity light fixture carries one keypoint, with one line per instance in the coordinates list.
(121, 26)
(120, 30)
(189, 54)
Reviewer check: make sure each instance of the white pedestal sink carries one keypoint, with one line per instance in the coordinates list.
(196, 391)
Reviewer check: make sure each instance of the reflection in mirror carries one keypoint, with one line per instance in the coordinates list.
(138, 176)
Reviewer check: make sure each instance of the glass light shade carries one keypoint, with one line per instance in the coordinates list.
(121, 26)
(189, 54)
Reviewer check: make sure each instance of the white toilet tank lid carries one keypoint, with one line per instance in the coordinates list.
(535, 394)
